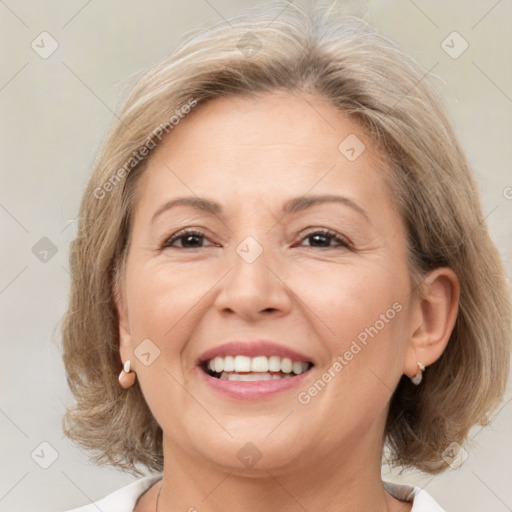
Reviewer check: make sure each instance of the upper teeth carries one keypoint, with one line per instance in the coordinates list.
(257, 364)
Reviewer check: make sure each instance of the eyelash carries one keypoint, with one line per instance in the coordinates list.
(318, 231)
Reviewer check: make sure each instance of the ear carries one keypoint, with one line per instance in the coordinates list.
(125, 338)
(435, 312)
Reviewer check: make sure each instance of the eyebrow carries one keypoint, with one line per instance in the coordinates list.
(295, 205)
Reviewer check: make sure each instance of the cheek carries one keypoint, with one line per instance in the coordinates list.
(161, 298)
(373, 354)
(360, 313)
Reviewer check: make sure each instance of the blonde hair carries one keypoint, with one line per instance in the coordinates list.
(370, 79)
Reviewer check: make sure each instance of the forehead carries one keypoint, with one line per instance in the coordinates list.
(265, 148)
(281, 121)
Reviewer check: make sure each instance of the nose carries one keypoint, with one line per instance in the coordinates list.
(252, 289)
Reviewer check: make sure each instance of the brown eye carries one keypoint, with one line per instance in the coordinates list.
(322, 238)
(188, 239)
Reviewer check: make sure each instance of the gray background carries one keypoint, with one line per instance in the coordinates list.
(54, 113)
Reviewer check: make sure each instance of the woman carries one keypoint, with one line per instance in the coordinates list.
(282, 266)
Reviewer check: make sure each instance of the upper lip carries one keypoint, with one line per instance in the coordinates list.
(252, 349)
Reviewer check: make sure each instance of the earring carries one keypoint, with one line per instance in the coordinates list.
(416, 379)
(126, 377)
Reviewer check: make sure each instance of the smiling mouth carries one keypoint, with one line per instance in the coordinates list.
(251, 369)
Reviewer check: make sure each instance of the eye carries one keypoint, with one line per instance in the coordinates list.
(188, 238)
(321, 238)
(318, 238)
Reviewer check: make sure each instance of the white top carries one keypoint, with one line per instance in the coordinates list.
(124, 499)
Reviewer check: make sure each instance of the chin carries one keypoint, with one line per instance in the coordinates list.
(250, 453)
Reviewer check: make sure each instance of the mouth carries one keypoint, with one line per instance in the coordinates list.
(251, 369)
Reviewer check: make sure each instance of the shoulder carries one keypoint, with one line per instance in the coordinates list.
(420, 499)
(123, 499)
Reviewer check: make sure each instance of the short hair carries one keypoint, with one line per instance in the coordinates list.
(367, 77)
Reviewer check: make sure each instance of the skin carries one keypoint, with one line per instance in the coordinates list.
(311, 294)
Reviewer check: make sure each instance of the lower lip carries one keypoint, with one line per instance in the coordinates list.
(252, 390)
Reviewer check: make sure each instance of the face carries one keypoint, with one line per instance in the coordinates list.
(270, 316)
